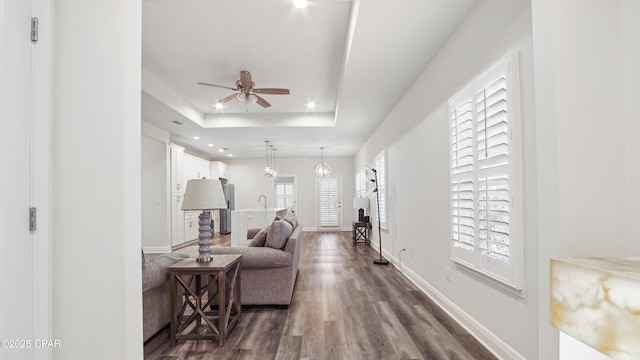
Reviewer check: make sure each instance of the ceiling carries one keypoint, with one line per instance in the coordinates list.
(353, 59)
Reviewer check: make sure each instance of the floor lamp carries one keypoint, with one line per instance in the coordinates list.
(381, 260)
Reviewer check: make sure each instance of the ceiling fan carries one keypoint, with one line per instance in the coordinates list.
(244, 91)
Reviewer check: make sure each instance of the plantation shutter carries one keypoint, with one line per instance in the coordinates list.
(361, 184)
(485, 174)
(380, 166)
(462, 164)
(493, 160)
(328, 202)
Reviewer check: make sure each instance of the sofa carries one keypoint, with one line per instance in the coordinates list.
(268, 272)
(156, 307)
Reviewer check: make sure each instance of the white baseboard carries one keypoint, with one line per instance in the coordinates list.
(315, 229)
(156, 249)
(493, 343)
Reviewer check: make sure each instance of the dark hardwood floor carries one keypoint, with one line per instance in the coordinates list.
(344, 307)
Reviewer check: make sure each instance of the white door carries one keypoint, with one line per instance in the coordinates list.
(16, 257)
(330, 203)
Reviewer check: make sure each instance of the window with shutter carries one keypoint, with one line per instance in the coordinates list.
(486, 227)
(361, 184)
(380, 164)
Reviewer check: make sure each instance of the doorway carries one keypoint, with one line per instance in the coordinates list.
(329, 195)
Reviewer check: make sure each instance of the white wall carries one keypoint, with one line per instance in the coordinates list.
(250, 183)
(587, 85)
(156, 222)
(415, 133)
(96, 269)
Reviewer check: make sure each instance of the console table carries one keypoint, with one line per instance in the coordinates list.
(361, 232)
(202, 284)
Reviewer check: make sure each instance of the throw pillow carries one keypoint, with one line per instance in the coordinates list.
(291, 219)
(259, 239)
(278, 234)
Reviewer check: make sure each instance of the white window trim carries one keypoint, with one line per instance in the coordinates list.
(284, 179)
(507, 276)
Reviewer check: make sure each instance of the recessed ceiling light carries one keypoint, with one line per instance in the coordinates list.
(311, 105)
(210, 145)
(219, 106)
(300, 4)
(196, 138)
(230, 155)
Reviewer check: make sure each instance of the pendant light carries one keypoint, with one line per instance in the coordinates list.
(267, 167)
(322, 169)
(274, 172)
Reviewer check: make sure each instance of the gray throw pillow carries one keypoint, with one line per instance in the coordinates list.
(291, 219)
(259, 239)
(278, 234)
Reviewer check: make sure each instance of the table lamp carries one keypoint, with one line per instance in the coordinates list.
(205, 195)
(360, 203)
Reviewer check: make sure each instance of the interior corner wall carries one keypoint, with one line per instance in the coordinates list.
(249, 180)
(415, 134)
(96, 266)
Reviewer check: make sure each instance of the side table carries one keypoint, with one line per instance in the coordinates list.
(203, 283)
(361, 231)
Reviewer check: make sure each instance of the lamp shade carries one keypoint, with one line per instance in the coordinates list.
(204, 194)
(360, 203)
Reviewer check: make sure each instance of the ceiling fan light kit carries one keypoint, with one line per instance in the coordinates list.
(245, 92)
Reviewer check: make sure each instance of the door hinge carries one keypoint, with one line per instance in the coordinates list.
(34, 29)
(32, 219)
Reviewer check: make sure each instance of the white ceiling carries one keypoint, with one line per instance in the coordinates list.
(354, 59)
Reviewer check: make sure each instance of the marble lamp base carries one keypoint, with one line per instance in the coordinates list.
(597, 301)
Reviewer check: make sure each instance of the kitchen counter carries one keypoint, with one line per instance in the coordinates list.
(242, 220)
(597, 301)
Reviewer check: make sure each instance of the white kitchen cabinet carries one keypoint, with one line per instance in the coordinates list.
(177, 220)
(218, 170)
(184, 167)
(195, 168)
(177, 162)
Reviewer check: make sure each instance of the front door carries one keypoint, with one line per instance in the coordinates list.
(16, 257)
(330, 203)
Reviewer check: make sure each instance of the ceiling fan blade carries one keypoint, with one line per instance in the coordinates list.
(245, 79)
(272, 91)
(262, 102)
(218, 86)
(230, 97)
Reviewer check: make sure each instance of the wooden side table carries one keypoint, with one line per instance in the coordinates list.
(203, 283)
(361, 232)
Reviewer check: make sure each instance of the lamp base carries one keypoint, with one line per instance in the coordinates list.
(381, 261)
(204, 236)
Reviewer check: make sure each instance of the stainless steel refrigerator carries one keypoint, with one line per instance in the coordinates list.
(225, 214)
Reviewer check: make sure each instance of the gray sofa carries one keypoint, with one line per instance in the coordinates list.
(268, 275)
(156, 307)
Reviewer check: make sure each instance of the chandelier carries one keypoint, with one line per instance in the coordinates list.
(322, 169)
